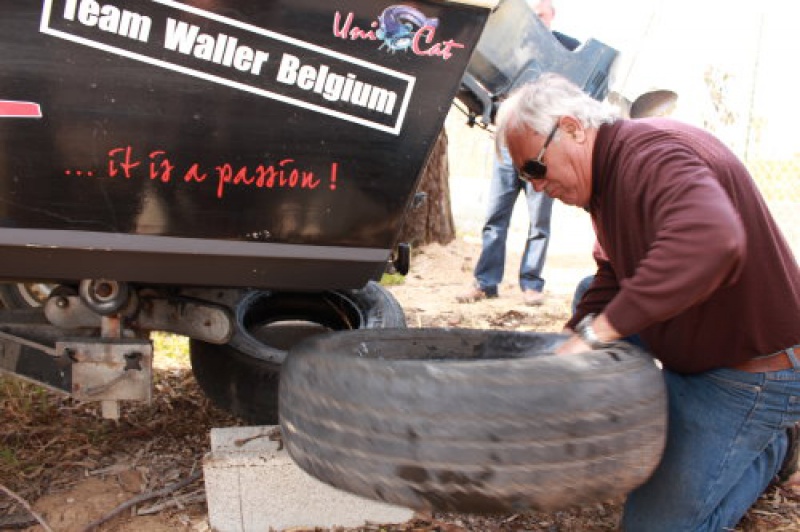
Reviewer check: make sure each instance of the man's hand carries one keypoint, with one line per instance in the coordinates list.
(575, 344)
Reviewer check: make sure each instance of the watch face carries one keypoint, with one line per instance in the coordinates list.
(586, 332)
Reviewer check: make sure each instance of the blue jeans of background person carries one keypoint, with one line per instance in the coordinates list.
(503, 193)
(725, 442)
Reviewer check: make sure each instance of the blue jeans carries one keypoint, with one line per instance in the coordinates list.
(725, 443)
(505, 189)
(581, 289)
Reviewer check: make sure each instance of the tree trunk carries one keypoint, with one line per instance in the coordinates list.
(433, 220)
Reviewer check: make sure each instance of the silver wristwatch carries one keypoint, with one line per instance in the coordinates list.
(586, 332)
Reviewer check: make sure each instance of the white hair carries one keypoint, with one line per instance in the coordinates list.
(538, 105)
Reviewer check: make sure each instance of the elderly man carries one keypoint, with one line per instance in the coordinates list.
(695, 266)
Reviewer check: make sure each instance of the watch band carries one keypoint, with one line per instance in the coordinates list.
(585, 330)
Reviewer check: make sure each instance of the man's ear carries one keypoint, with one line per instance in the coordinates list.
(572, 127)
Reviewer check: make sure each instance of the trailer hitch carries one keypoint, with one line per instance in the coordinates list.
(105, 369)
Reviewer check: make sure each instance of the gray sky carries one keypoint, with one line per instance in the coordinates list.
(671, 43)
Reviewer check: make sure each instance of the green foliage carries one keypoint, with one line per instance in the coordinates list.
(392, 279)
(171, 346)
(8, 456)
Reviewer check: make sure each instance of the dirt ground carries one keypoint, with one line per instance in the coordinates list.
(62, 461)
(74, 468)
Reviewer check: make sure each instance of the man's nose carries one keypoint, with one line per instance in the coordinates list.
(538, 184)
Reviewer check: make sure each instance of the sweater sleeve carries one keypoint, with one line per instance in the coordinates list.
(683, 225)
(604, 288)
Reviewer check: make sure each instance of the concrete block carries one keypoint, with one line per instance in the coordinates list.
(251, 486)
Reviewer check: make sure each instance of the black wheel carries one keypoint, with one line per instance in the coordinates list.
(24, 295)
(242, 376)
(472, 421)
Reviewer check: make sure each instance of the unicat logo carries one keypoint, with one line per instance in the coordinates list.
(399, 28)
(399, 25)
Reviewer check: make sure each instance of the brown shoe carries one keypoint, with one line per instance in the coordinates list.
(475, 294)
(533, 298)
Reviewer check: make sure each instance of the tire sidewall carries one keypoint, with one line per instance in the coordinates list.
(242, 377)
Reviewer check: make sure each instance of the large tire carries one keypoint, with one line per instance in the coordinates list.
(242, 376)
(472, 421)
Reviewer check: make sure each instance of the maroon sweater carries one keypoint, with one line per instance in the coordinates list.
(696, 264)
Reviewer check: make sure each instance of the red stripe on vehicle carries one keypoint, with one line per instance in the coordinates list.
(12, 109)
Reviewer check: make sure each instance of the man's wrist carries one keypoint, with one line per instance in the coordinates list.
(586, 332)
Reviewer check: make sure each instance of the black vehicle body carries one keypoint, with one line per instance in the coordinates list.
(233, 171)
(240, 144)
(180, 166)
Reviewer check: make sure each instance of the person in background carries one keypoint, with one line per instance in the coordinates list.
(696, 265)
(546, 11)
(504, 190)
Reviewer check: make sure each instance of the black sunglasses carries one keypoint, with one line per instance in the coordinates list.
(535, 169)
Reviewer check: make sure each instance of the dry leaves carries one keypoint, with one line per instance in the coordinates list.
(51, 446)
